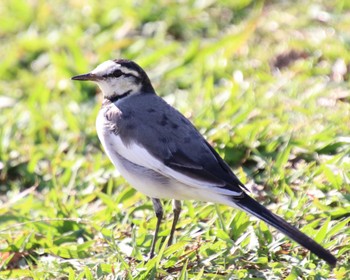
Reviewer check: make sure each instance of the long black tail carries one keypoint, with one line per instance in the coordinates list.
(253, 207)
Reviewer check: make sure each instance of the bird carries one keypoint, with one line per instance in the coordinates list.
(162, 155)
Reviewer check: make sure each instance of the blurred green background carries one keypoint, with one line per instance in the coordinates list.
(267, 83)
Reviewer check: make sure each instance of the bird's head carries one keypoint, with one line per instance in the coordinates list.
(118, 78)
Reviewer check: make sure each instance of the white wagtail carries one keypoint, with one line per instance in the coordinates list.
(161, 154)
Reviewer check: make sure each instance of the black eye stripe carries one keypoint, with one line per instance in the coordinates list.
(118, 73)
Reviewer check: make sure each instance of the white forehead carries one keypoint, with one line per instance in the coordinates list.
(110, 66)
(106, 67)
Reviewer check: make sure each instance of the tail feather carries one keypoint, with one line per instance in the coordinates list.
(251, 206)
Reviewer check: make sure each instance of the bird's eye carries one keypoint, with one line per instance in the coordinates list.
(117, 73)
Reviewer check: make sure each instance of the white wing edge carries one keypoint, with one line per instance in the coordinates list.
(140, 156)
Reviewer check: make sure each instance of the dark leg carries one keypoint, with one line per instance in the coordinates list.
(157, 205)
(176, 210)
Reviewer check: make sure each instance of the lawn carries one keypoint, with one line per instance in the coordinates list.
(267, 84)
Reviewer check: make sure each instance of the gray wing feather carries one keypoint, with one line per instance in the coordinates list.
(173, 140)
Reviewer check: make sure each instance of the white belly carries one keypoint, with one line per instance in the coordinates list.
(141, 182)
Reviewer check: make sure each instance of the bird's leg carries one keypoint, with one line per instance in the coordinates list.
(157, 205)
(176, 210)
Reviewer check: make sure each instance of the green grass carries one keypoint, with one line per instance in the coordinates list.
(65, 213)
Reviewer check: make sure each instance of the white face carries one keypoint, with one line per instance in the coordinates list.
(115, 86)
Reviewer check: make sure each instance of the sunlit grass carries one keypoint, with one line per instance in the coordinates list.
(281, 122)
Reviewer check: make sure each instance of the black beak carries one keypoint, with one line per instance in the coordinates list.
(85, 77)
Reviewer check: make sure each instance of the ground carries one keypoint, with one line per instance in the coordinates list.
(267, 83)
